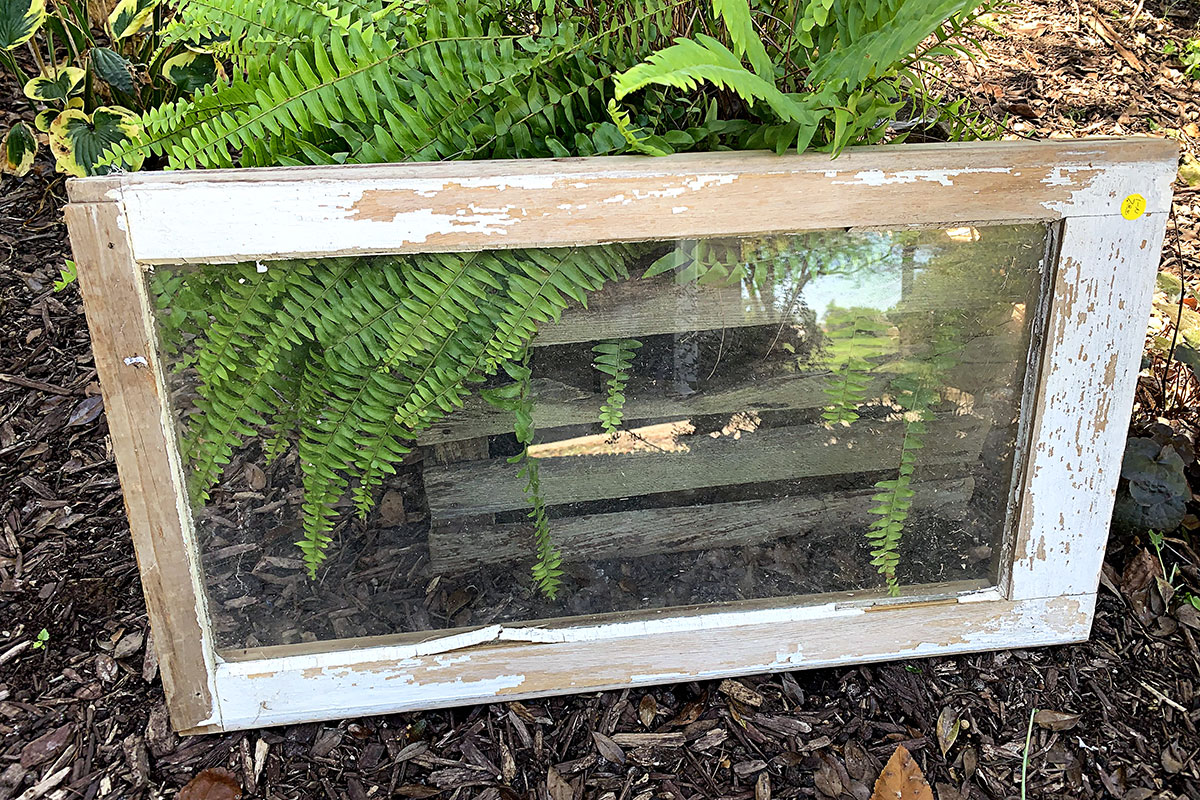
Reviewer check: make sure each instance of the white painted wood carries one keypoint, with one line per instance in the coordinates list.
(1075, 420)
(287, 212)
(378, 680)
(1099, 306)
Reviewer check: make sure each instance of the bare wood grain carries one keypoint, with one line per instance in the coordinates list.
(681, 529)
(135, 403)
(775, 454)
(557, 404)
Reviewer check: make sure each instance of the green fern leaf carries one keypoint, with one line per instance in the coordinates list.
(614, 358)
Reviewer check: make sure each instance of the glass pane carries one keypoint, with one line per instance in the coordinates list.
(455, 440)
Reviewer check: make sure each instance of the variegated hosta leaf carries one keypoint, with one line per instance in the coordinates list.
(19, 20)
(18, 148)
(55, 84)
(190, 70)
(130, 17)
(113, 68)
(78, 139)
(45, 118)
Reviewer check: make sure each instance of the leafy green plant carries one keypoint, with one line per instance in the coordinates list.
(375, 81)
(42, 639)
(614, 358)
(350, 358)
(915, 396)
(67, 275)
(19, 150)
(516, 397)
(89, 86)
(857, 338)
(1189, 56)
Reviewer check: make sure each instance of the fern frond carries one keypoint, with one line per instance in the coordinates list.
(738, 22)
(246, 30)
(856, 338)
(516, 397)
(687, 63)
(872, 53)
(547, 575)
(916, 395)
(259, 318)
(614, 358)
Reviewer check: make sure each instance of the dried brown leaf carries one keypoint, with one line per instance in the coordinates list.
(858, 763)
(557, 787)
(1055, 720)
(256, 479)
(687, 715)
(213, 783)
(948, 727)
(740, 692)
(608, 748)
(1173, 759)
(827, 780)
(762, 787)
(902, 779)
(647, 710)
(86, 412)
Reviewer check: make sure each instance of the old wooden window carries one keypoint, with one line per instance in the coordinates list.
(813, 412)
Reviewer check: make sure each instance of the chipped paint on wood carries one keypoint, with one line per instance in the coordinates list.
(307, 211)
(1100, 304)
(482, 674)
(944, 177)
(1079, 408)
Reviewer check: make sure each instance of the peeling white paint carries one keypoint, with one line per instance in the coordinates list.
(250, 702)
(982, 596)
(703, 181)
(1100, 190)
(136, 361)
(235, 220)
(280, 691)
(877, 177)
(678, 209)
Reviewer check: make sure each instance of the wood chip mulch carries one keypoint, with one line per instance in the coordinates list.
(82, 713)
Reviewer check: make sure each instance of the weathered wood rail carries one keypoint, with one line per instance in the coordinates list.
(466, 543)
(775, 454)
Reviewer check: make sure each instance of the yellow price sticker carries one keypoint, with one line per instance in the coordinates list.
(1133, 206)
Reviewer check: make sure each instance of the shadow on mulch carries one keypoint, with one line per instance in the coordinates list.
(83, 716)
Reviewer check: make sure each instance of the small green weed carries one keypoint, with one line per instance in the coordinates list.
(1188, 54)
(40, 642)
(66, 276)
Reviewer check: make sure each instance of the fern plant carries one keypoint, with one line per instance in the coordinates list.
(614, 359)
(857, 337)
(916, 393)
(516, 398)
(350, 359)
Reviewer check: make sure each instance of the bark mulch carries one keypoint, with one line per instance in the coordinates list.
(82, 713)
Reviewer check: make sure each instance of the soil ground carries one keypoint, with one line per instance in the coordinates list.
(83, 715)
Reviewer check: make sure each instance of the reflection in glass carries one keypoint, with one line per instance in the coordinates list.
(457, 439)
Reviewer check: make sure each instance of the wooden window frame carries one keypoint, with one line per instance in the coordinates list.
(1075, 415)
